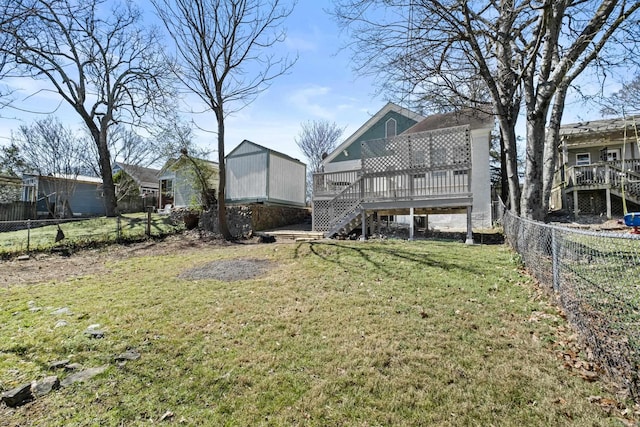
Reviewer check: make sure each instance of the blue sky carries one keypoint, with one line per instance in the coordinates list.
(321, 85)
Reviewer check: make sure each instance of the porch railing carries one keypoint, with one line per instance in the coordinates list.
(609, 174)
(332, 183)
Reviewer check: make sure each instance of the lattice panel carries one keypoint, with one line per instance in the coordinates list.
(321, 218)
(437, 149)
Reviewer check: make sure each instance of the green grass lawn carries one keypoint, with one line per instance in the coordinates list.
(385, 333)
(84, 232)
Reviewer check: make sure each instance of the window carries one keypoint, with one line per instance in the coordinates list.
(391, 128)
(613, 154)
(583, 159)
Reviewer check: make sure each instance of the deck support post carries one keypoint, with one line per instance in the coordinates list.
(363, 237)
(608, 196)
(575, 202)
(469, 240)
(411, 224)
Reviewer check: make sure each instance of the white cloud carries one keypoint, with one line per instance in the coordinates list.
(307, 100)
(300, 44)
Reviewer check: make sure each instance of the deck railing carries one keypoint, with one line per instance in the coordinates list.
(409, 185)
(332, 183)
(610, 174)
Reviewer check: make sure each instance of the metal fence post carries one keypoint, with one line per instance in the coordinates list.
(148, 229)
(119, 229)
(554, 259)
(28, 234)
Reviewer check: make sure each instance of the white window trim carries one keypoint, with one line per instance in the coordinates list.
(581, 163)
(386, 128)
(613, 150)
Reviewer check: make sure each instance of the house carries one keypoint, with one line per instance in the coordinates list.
(256, 174)
(137, 187)
(438, 165)
(598, 169)
(187, 181)
(64, 195)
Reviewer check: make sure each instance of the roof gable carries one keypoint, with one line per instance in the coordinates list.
(373, 128)
(141, 175)
(247, 147)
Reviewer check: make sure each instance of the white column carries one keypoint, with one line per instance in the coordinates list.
(469, 240)
(411, 224)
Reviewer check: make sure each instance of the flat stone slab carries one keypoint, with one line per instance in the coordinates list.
(94, 333)
(18, 396)
(128, 355)
(85, 375)
(45, 386)
(59, 364)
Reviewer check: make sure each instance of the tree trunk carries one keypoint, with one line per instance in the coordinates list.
(532, 206)
(504, 181)
(552, 144)
(223, 227)
(108, 186)
(508, 133)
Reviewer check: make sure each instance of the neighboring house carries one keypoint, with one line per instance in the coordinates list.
(256, 174)
(598, 168)
(146, 179)
(182, 182)
(12, 208)
(137, 187)
(64, 196)
(434, 165)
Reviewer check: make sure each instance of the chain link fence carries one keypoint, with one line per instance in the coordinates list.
(22, 237)
(596, 278)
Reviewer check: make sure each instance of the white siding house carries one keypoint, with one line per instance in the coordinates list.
(256, 174)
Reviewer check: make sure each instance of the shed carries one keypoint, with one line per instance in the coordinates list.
(256, 174)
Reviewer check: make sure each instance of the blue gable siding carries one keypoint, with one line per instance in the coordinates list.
(376, 131)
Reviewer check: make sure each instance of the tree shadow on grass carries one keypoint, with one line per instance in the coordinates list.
(382, 258)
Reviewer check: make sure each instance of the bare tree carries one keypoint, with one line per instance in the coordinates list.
(525, 52)
(625, 101)
(223, 47)
(315, 140)
(47, 148)
(96, 56)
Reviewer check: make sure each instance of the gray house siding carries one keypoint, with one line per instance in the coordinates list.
(258, 174)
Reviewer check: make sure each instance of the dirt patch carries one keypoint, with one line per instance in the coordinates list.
(44, 267)
(228, 270)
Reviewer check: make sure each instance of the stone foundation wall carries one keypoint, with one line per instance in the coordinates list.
(246, 219)
(268, 217)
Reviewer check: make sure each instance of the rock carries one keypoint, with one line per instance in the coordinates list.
(60, 324)
(17, 396)
(82, 376)
(62, 311)
(45, 386)
(266, 238)
(94, 333)
(128, 355)
(23, 258)
(92, 327)
(58, 364)
(72, 367)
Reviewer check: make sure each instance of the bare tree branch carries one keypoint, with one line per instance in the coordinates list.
(97, 58)
(223, 47)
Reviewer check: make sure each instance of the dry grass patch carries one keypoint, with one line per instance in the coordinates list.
(331, 333)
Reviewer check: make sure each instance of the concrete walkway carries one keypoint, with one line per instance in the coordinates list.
(298, 232)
